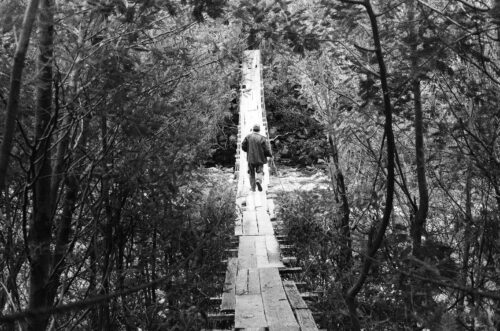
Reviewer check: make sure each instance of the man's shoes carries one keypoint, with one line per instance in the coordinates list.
(259, 186)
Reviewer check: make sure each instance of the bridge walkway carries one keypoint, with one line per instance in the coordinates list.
(254, 290)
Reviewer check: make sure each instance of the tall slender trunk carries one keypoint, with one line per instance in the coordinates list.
(467, 240)
(104, 314)
(71, 185)
(375, 240)
(63, 235)
(40, 231)
(340, 191)
(495, 13)
(9, 253)
(418, 224)
(15, 89)
(64, 141)
(153, 264)
(423, 206)
(93, 268)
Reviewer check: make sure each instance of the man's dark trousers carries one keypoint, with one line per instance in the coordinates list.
(255, 170)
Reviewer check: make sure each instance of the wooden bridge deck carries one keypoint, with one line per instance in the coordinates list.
(253, 289)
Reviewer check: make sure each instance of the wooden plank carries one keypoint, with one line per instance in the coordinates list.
(232, 252)
(216, 300)
(283, 328)
(261, 252)
(264, 222)
(301, 285)
(273, 251)
(228, 295)
(266, 177)
(270, 208)
(241, 182)
(293, 294)
(253, 281)
(309, 295)
(242, 282)
(246, 253)
(251, 200)
(249, 312)
(220, 317)
(289, 259)
(238, 227)
(306, 320)
(250, 223)
(276, 307)
(260, 199)
(290, 270)
(241, 202)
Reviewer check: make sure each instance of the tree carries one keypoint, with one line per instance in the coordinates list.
(15, 87)
(323, 86)
(40, 230)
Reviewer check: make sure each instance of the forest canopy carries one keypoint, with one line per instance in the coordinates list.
(111, 109)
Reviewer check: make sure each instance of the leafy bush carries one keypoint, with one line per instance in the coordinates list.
(309, 221)
(193, 239)
(389, 301)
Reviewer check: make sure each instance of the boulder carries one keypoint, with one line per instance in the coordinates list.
(284, 152)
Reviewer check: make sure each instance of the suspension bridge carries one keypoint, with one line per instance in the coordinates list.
(256, 293)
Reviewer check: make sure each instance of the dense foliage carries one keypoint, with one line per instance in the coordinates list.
(105, 201)
(110, 109)
(425, 73)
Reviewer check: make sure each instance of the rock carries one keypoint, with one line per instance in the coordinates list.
(285, 152)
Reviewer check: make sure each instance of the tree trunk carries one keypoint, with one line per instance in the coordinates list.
(418, 224)
(423, 206)
(71, 183)
(40, 231)
(15, 89)
(105, 314)
(495, 13)
(63, 236)
(378, 236)
(467, 239)
(93, 268)
(62, 147)
(340, 192)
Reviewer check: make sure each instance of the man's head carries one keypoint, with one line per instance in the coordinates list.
(256, 128)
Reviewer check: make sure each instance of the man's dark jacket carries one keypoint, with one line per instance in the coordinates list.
(257, 148)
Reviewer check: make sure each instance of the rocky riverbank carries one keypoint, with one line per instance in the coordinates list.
(287, 179)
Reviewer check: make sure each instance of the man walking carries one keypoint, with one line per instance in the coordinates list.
(258, 150)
